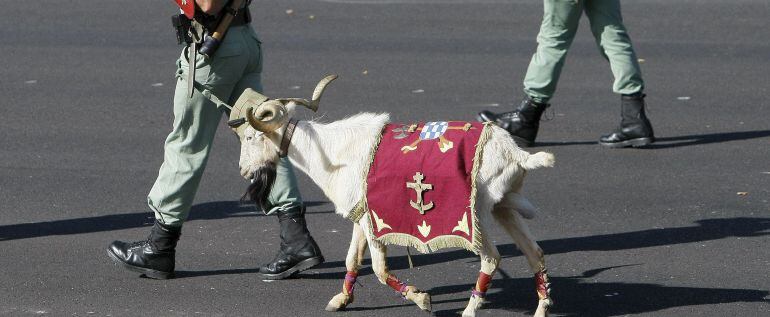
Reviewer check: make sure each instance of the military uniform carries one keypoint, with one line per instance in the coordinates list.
(237, 65)
(234, 67)
(557, 31)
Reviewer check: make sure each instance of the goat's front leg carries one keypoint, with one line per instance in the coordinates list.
(518, 230)
(380, 267)
(490, 258)
(352, 263)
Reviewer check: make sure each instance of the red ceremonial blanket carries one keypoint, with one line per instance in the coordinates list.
(420, 189)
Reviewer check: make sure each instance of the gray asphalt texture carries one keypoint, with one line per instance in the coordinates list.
(677, 229)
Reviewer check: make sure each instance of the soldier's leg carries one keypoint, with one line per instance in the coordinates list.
(299, 250)
(186, 153)
(615, 44)
(613, 40)
(557, 30)
(196, 119)
(560, 23)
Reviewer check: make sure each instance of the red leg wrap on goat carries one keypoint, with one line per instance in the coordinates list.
(482, 285)
(350, 282)
(395, 284)
(542, 285)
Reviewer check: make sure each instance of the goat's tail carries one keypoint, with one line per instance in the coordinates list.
(539, 159)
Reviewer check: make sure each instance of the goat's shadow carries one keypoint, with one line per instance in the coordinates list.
(681, 141)
(588, 298)
(575, 296)
(705, 230)
(205, 211)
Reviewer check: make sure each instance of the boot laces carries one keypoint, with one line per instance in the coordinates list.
(135, 244)
(548, 115)
(510, 115)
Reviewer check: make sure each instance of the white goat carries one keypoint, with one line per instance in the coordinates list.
(335, 155)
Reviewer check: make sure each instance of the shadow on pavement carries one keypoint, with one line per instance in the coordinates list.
(680, 141)
(205, 211)
(705, 230)
(188, 274)
(576, 297)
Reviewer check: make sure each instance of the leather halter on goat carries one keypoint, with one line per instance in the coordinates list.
(286, 140)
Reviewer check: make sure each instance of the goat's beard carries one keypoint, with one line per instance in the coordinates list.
(261, 185)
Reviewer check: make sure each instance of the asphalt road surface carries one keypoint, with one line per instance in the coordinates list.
(678, 229)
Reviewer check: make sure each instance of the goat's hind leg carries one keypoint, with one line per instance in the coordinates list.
(378, 252)
(352, 263)
(490, 259)
(515, 226)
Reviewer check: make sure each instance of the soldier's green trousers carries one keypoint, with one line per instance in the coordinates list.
(237, 65)
(560, 23)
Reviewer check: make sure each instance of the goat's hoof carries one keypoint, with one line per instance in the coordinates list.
(333, 308)
(474, 304)
(542, 307)
(339, 302)
(422, 300)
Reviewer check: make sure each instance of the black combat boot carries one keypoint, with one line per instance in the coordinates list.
(522, 123)
(153, 257)
(298, 252)
(635, 129)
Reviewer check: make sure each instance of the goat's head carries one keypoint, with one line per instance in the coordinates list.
(261, 138)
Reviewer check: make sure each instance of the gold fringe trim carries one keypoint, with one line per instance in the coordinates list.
(362, 207)
(486, 133)
(435, 244)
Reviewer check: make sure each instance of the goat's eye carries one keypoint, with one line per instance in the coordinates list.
(248, 138)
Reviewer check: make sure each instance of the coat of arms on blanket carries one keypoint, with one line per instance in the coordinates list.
(420, 188)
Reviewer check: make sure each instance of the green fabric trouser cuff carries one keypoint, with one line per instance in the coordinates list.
(291, 213)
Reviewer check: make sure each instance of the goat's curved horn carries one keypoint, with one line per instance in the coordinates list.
(317, 93)
(301, 101)
(267, 118)
(319, 90)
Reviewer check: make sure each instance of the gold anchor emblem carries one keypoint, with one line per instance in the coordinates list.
(419, 187)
